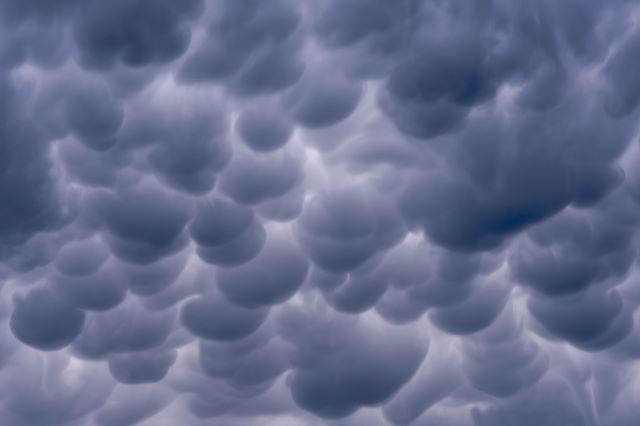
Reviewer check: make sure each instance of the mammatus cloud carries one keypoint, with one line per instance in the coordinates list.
(341, 212)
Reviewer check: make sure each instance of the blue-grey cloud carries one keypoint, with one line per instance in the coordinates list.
(338, 212)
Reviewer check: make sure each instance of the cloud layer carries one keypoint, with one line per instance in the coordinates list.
(342, 212)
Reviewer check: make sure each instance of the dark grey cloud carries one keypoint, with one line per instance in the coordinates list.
(102, 290)
(622, 95)
(133, 33)
(252, 178)
(30, 187)
(593, 320)
(334, 383)
(252, 46)
(150, 279)
(250, 364)
(187, 145)
(42, 320)
(141, 367)
(66, 402)
(503, 360)
(571, 252)
(339, 212)
(227, 233)
(553, 403)
(342, 228)
(476, 312)
(128, 328)
(143, 224)
(270, 278)
(322, 98)
(263, 128)
(215, 318)
(131, 405)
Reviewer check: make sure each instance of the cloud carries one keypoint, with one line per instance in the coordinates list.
(227, 233)
(125, 32)
(338, 212)
(334, 383)
(270, 278)
(263, 129)
(253, 46)
(44, 321)
(214, 318)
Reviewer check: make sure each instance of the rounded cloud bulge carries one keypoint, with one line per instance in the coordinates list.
(340, 212)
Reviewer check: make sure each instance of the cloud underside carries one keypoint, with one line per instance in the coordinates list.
(344, 212)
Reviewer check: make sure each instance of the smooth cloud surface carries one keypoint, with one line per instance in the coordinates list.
(342, 212)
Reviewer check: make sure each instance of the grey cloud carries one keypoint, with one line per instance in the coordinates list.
(490, 181)
(354, 21)
(94, 117)
(437, 378)
(502, 360)
(417, 285)
(88, 167)
(359, 292)
(144, 223)
(141, 367)
(129, 327)
(322, 98)
(31, 403)
(270, 278)
(553, 403)
(150, 279)
(592, 250)
(365, 34)
(238, 31)
(211, 317)
(474, 313)
(81, 258)
(131, 405)
(334, 384)
(188, 146)
(341, 229)
(31, 194)
(622, 94)
(286, 207)
(227, 233)
(252, 178)
(592, 320)
(263, 129)
(133, 33)
(43, 320)
(246, 364)
(337, 212)
(101, 290)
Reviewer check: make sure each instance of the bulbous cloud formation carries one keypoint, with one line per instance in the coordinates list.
(341, 212)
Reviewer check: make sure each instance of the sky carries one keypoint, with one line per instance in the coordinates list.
(319, 212)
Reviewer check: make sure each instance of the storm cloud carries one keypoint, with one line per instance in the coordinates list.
(341, 212)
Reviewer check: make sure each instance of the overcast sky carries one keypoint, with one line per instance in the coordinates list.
(319, 212)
